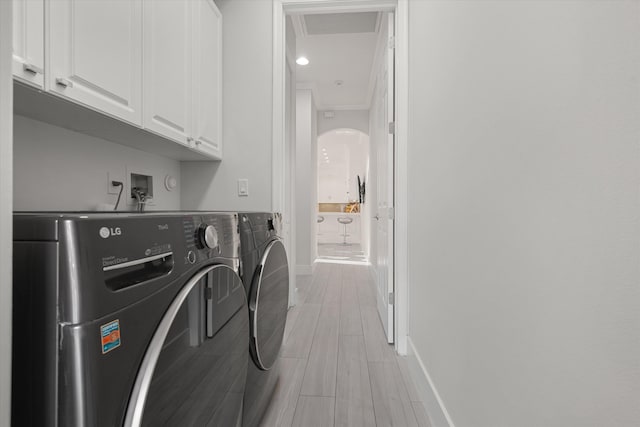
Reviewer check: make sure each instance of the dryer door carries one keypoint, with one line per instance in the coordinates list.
(268, 305)
(194, 370)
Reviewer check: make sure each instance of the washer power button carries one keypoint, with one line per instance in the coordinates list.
(191, 257)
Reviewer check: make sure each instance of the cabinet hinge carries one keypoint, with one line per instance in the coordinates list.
(391, 299)
(392, 128)
(392, 214)
(392, 42)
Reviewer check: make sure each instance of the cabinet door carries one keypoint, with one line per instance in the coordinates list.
(207, 77)
(95, 55)
(28, 41)
(167, 68)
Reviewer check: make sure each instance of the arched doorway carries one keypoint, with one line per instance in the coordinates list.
(343, 232)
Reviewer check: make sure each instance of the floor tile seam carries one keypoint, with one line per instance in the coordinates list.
(405, 380)
(404, 387)
(315, 395)
(335, 406)
(350, 335)
(295, 409)
(373, 404)
(364, 362)
(311, 349)
(325, 334)
(314, 328)
(413, 408)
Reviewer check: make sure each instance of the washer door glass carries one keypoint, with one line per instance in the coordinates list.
(194, 370)
(268, 305)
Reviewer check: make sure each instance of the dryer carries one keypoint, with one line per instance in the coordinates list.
(265, 275)
(128, 319)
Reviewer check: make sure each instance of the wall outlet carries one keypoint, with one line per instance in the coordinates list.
(243, 187)
(114, 176)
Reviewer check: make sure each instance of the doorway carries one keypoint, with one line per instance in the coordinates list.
(343, 231)
(338, 10)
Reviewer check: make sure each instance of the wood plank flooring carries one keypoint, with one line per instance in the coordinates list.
(336, 366)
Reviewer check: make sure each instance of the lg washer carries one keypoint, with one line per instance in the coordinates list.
(128, 319)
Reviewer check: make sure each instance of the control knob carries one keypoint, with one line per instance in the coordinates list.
(208, 236)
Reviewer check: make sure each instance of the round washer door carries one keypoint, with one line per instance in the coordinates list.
(268, 304)
(195, 367)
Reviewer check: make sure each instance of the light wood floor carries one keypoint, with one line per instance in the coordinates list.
(336, 366)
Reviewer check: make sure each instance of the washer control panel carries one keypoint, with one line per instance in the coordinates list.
(208, 236)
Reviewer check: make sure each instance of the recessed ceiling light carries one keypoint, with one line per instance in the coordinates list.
(302, 61)
(338, 82)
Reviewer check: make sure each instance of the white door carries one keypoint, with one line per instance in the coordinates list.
(167, 69)
(95, 55)
(28, 41)
(207, 77)
(385, 189)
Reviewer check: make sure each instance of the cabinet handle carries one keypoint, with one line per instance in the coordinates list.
(64, 82)
(30, 68)
(189, 141)
(198, 142)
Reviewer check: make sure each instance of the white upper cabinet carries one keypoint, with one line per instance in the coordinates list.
(207, 77)
(28, 41)
(95, 55)
(156, 64)
(167, 69)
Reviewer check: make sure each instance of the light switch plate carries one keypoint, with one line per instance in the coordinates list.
(243, 187)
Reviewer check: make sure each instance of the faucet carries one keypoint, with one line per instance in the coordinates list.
(141, 198)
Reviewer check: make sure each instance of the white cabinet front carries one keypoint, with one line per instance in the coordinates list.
(207, 77)
(167, 69)
(96, 55)
(28, 41)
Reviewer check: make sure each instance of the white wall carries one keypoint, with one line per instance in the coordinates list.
(306, 181)
(6, 202)
(524, 209)
(354, 119)
(59, 169)
(246, 115)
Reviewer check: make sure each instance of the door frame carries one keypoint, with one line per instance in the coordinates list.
(281, 159)
(6, 206)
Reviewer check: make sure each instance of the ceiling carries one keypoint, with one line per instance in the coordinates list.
(341, 49)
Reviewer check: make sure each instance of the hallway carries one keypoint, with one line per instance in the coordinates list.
(336, 367)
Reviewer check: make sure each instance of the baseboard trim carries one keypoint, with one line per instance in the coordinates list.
(304, 270)
(436, 410)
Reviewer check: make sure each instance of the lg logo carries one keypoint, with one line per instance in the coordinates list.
(106, 232)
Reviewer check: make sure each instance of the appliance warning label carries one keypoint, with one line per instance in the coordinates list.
(110, 336)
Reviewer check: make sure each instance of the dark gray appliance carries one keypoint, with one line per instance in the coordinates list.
(265, 274)
(128, 319)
